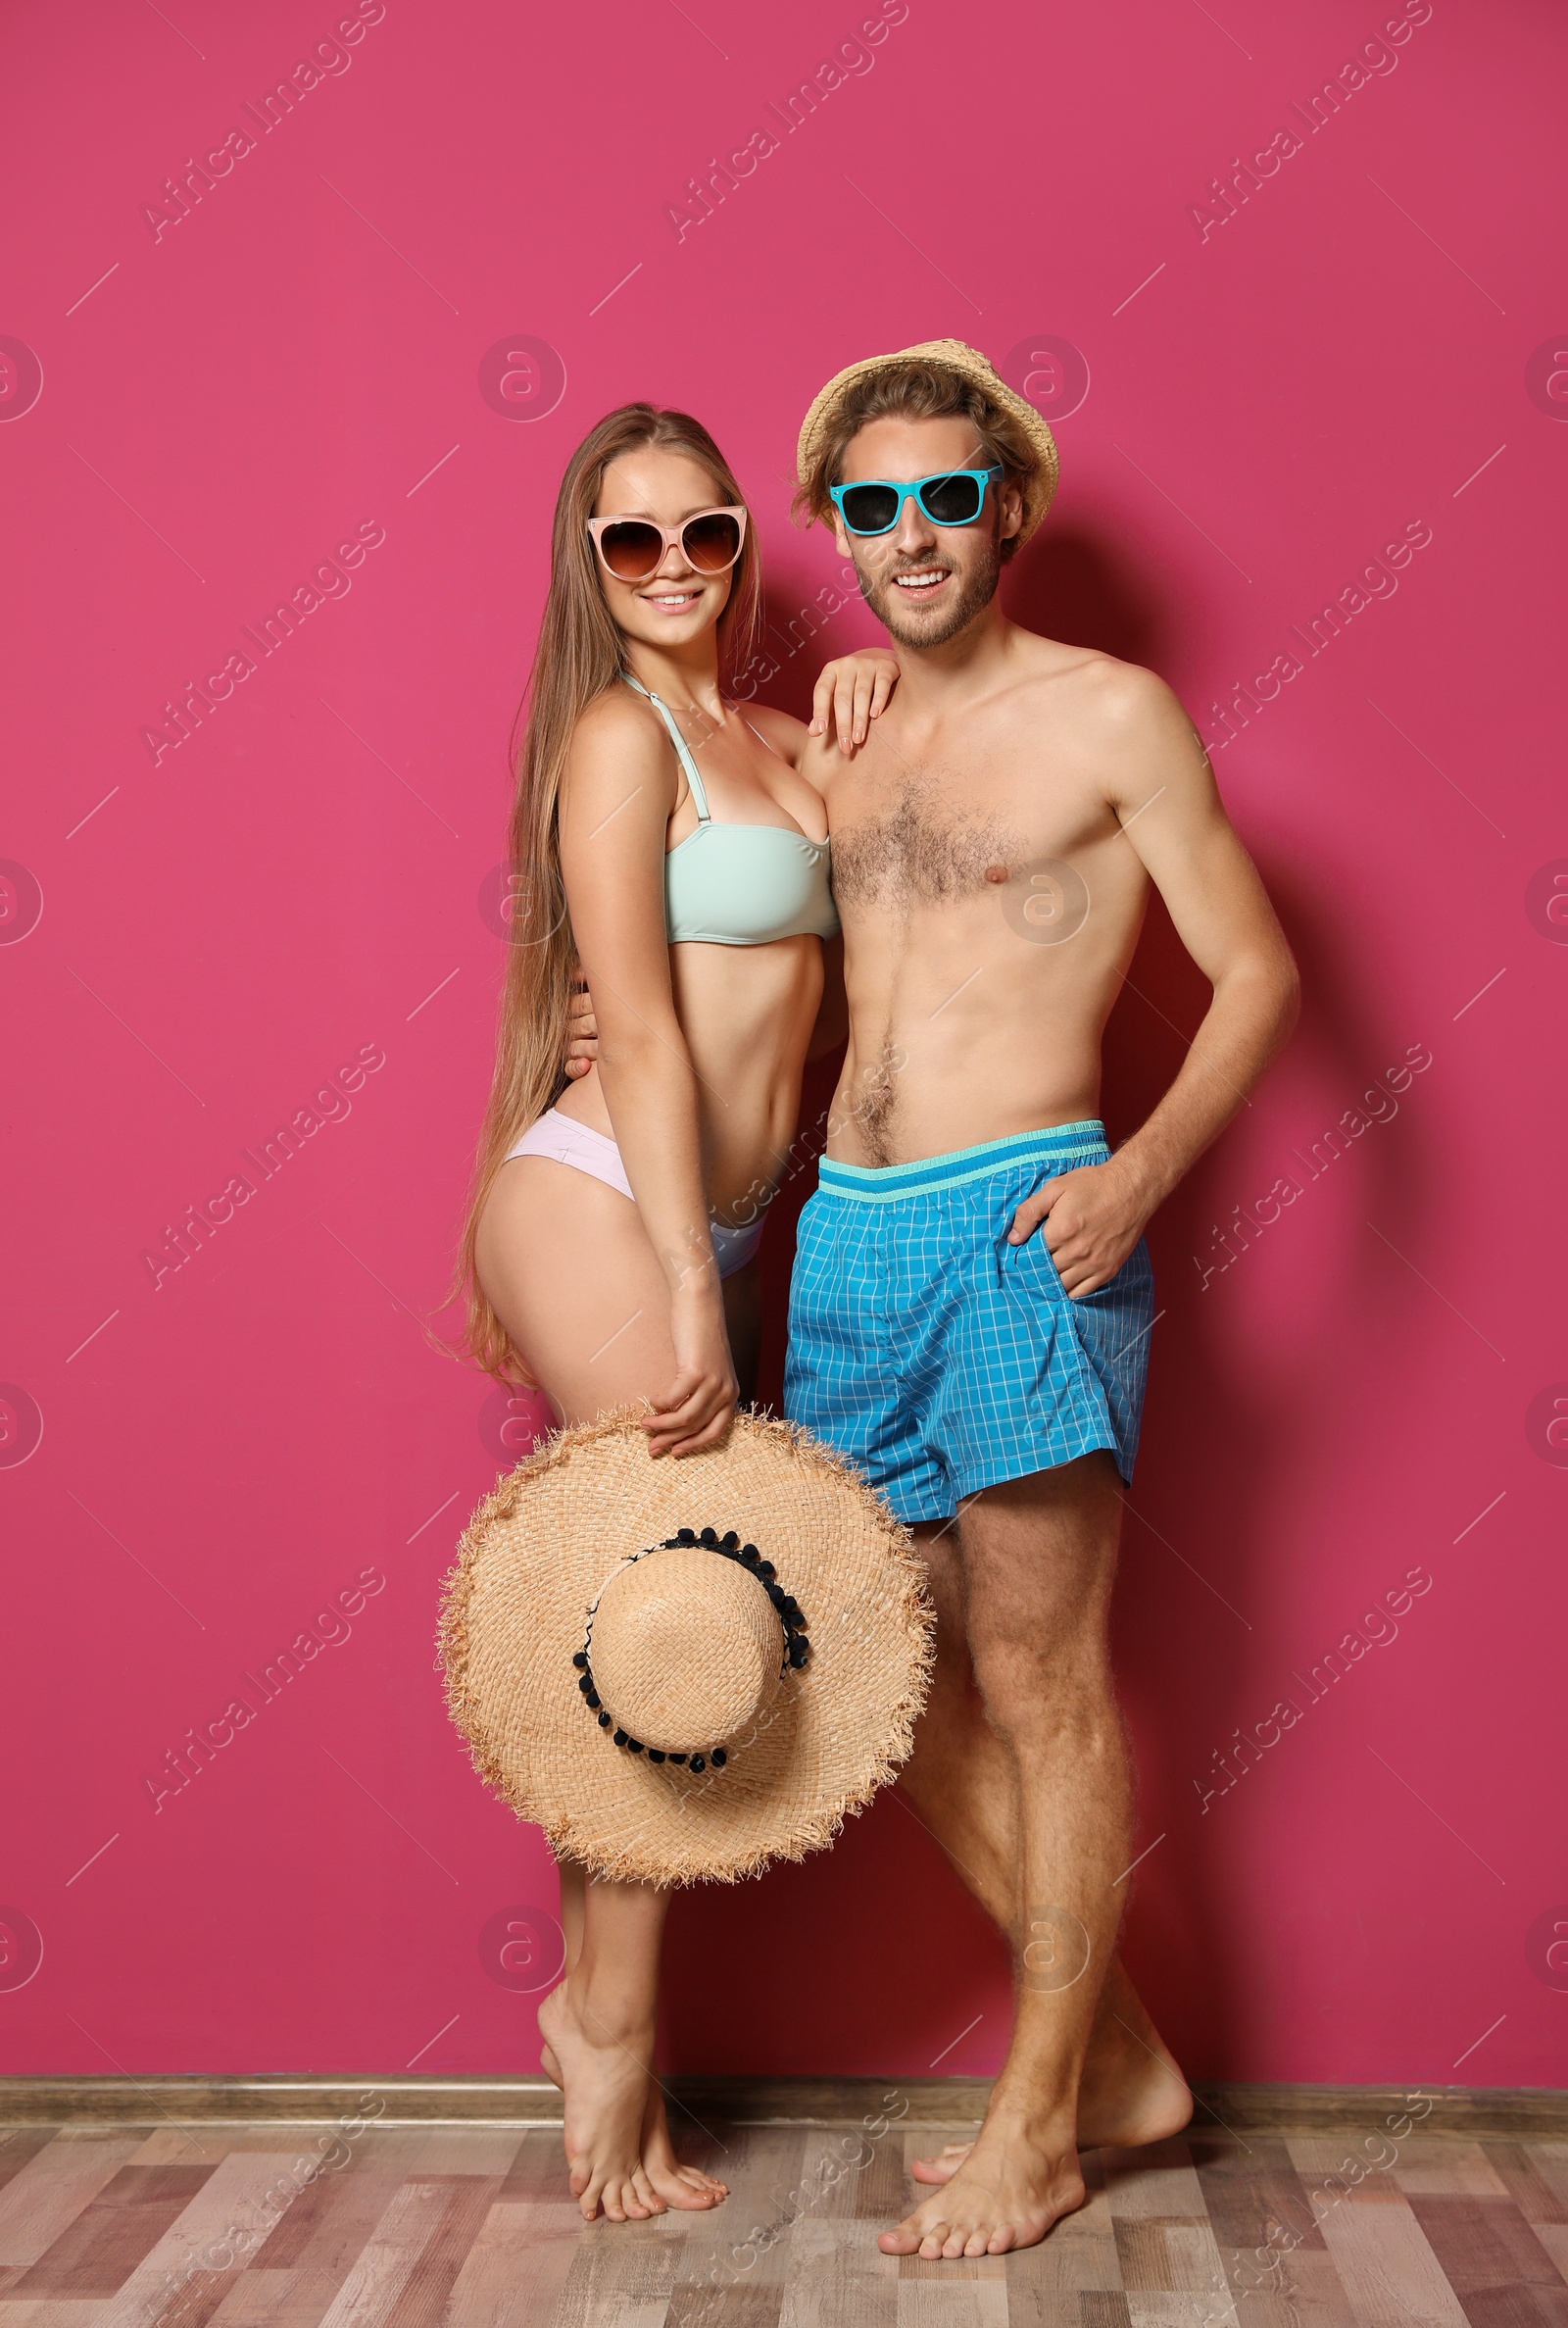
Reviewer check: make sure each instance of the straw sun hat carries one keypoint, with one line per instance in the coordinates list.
(948, 355)
(684, 1669)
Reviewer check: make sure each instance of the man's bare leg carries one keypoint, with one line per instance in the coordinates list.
(962, 1782)
(1038, 1557)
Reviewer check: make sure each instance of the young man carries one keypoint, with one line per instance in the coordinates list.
(973, 1300)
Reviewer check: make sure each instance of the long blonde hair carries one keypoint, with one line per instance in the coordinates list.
(579, 655)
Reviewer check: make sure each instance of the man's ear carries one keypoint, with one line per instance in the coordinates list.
(839, 534)
(1009, 509)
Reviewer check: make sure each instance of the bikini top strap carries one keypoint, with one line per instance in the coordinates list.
(683, 751)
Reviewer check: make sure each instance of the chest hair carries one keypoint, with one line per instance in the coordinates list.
(923, 848)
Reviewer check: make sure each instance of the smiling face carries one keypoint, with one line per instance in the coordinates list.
(676, 604)
(927, 582)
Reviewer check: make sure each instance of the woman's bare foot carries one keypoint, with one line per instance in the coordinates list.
(937, 2170)
(605, 2079)
(1004, 2193)
(677, 2185)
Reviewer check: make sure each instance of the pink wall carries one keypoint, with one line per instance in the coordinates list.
(317, 354)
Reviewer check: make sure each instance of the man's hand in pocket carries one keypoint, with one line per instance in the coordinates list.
(1092, 1218)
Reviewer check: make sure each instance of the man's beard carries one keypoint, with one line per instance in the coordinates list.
(976, 590)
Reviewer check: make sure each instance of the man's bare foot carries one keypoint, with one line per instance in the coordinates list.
(677, 2185)
(605, 2080)
(1131, 2093)
(1005, 2194)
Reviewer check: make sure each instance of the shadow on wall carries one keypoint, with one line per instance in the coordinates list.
(881, 1932)
(1068, 583)
(1222, 1452)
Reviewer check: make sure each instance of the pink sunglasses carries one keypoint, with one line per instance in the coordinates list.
(633, 548)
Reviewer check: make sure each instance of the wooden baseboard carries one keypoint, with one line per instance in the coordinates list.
(1517, 2113)
(1514, 2114)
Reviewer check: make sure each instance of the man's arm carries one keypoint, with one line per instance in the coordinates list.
(1162, 788)
(582, 1028)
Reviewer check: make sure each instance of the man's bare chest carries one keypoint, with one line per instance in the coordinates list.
(932, 836)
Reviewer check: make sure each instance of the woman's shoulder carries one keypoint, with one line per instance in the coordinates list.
(787, 735)
(615, 725)
(618, 710)
(618, 752)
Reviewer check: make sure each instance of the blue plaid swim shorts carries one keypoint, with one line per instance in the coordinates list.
(938, 1357)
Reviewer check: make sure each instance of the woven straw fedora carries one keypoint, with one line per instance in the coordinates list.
(952, 355)
(682, 1670)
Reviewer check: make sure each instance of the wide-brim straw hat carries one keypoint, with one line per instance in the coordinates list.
(683, 1669)
(951, 355)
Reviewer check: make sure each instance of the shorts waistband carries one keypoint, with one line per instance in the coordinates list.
(1060, 1145)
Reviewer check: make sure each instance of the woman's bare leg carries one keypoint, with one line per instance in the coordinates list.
(573, 1907)
(573, 1890)
(659, 2162)
(572, 1275)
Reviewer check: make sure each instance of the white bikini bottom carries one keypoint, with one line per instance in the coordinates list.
(564, 1141)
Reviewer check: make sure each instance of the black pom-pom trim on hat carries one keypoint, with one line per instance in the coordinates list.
(797, 1648)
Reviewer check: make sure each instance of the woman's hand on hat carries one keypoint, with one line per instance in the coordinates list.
(852, 691)
(695, 1409)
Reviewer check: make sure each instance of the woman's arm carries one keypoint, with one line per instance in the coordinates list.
(851, 691)
(830, 1030)
(616, 795)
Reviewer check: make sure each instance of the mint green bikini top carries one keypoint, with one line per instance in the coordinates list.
(740, 884)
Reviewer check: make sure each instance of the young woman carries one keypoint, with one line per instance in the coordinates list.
(667, 840)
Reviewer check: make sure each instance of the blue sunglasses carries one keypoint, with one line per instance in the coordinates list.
(950, 497)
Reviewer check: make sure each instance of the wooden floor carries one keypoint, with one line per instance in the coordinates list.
(119, 2226)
